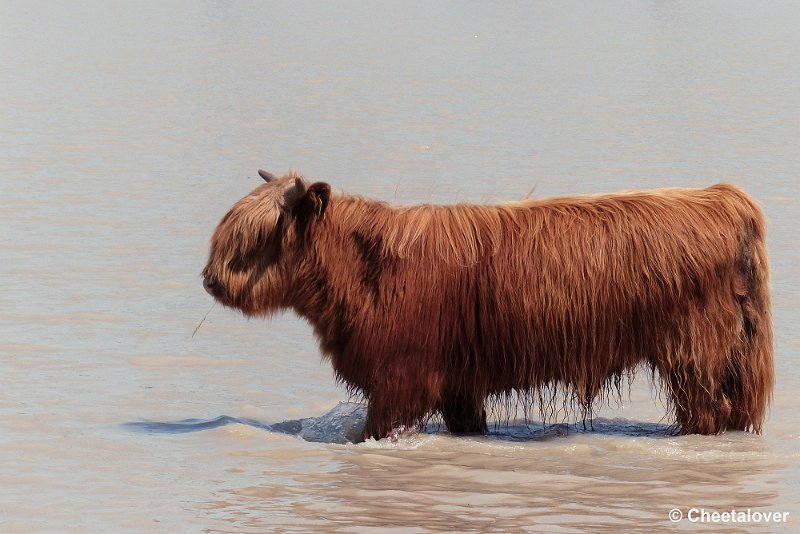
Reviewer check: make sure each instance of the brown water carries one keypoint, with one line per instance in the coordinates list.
(128, 129)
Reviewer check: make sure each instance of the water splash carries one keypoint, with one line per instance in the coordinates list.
(343, 424)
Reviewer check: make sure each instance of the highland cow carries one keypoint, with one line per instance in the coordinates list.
(435, 309)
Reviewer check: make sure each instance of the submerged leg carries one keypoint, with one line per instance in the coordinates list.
(389, 409)
(464, 414)
(700, 408)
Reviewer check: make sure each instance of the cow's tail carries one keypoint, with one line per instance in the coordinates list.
(750, 372)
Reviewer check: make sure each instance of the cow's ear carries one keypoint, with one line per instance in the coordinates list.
(318, 197)
(266, 176)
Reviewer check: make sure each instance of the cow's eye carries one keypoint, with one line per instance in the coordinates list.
(242, 263)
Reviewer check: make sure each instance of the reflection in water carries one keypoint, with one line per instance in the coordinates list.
(554, 477)
(573, 481)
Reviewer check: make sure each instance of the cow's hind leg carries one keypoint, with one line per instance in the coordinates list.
(747, 382)
(464, 413)
(701, 407)
(739, 418)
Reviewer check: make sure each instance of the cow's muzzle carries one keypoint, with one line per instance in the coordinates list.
(213, 287)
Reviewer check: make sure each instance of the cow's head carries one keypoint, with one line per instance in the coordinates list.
(258, 244)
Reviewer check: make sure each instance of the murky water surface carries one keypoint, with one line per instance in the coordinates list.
(128, 129)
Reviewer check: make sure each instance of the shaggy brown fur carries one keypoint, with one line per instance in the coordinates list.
(429, 308)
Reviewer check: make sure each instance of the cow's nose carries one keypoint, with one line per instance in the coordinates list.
(211, 286)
